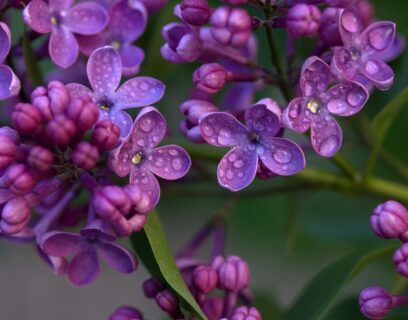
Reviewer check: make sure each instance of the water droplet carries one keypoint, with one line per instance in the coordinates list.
(238, 163)
(232, 157)
(230, 174)
(224, 137)
(337, 106)
(356, 99)
(177, 164)
(282, 155)
(329, 145)
(207, 130)
(173, 152)
(372, 67)
(147, 124)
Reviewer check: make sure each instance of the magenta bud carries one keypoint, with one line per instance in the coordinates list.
(231, 26)
(375, 302)
(210, 78)
(40, 100)
(85, 155)
(8, 148)
(213, 308)
(195, 12)
(400, 259)
(110, 201)
(195, 109)
(151, 287)
(60, 130)
(59, 97)
(141, 201)
(126, 313)
(233, 273)
(83, 112)
(246, 313)
(26, 118)
(169, 303)
(16, 211)
(19, 179)
(40, 158)
(204, 278)
(105, 135)
(303, 20)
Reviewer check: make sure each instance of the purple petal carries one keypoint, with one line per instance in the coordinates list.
(169, 162)
(379, 73)
(326, 137)
(132, 57)
(123, 120)
(222, 129)
(9, 83)
(139, 92)
(346, 99)
(104, 71)
(264, 122)
(77, 90)
(343, 65)
(237, 168)
(117, 257)
(350, 27)
(60, 4)
(315, 76)
(86, 18)
(88, 44)
(61, 244)
(63, 48)
(119, 160)
(148, 183)
(239, 96)
(378, 37)
(394, 50)
(37, 16)
(282, 156)
(294, 116)
(84, 268)
(5, 41)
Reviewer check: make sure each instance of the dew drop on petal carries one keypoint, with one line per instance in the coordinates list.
(329, 145)
(147, 124)
(337, 106)
(355, 98)
(230, 174)
(176, 164)
(371, 67)
(281, 155)
(224, 137)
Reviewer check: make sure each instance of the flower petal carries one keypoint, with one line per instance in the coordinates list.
(119, 160)
(5, 41)
(169, 162)
(237, 168)
(84, 268)
(104, 70)
(123, 120)
(117, 257)
(378, 37)
(264, 122)
(294, 116)
(63, 48)
(326, 137)
(88, 44)
(132, 57)
(350, 27)
(37, 16)
(61, 244)
(379, 73)
(222, 129)
(346, 99)
(139, 92)
(60, 4)
(343, 66)
(394, 50)
(9, 83)
(282, 156)
(149, 185)
(315, 76)
(86, 18)
(77, 90)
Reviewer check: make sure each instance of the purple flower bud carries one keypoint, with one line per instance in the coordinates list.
(15, 215)
(169, 303)
(105, 135)
(140, 200)
(151, 287)
(60, 130)
(85, 155)
(83, 112)
(8, 149)
(210, 78)
(231, 26)
(59, 97)
(40, 158)
(195, 12)
(26, 118)
(400, 259)
(375, 302)
(329, 29)
(213, 308)
(204, 278)
(40, 100)
(390, 220)
(233, 273)
(19, 179)
(303, 20)
(110, 202)
(246, 313)
(126, 313)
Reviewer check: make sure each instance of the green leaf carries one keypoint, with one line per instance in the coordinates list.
(319, 295)
(153, 249)
(31, 62)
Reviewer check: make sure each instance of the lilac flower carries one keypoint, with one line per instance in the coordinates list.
(138, 155)
(313, 108)
(360, 58)
(9, 83)
(126, 313)
(63, 22)
(127, 22)
(251, 143)
(104, 70)
(93, 240)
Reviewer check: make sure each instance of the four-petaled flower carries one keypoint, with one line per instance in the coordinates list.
(104, 70)
(256, 142)
(361, 58)
(313, 108)
(95, 239)
(138, 155)
(63, 22)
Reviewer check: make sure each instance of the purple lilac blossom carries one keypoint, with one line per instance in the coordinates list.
(104, 70)
(253, 143)
(314, 108)
(63, 21)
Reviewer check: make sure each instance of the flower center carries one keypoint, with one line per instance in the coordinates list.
(105, 105)
(137, 158)
(355, 54)
(313, 105)
(116, 44)
(253, 137)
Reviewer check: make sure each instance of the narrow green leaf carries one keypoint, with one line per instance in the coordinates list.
(153, 249)
(319, 295)
(31, 64)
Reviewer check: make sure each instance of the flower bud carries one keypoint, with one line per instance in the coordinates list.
(400, 259)
(210, 78)
(85, 155)
(329, 29)
(41, 102)
(151, 287)
(19, 179)
(105, 135)
(110, 201)
(16, 211)
(83, 112)
(195, 12)
(233, 273)
(231, 26)
(169, 303)
(245, 313)
(60, 130)
(204, 278)
(126, 313)
(26, 118)
(8, 150)
(213, 308)
(140, 200)
(40, 158)
(303, 20)
(59, 97)
(375, 302)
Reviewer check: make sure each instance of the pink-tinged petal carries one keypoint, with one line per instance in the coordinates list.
(139, 92)
(315, 76)
(350, 27)
(123, 120)
(132, 57)
(169, 162)
(88, 44)
(37, 16)
(86, 18)
(282, 156)
(378, 37)
(63, 47)
(104, 70)
(9, 83)
(379, 73)
(393, 51)
(84, 268)
(346, 99)
(343, 66)
(61, 244)
(117, 257)
(237, 168)
(5, 41)
(170, 55)
(149, 185)
(294, 116)
(326, 137)
(261, 120)
(77, 90)
(222, 129)
(60, 4)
